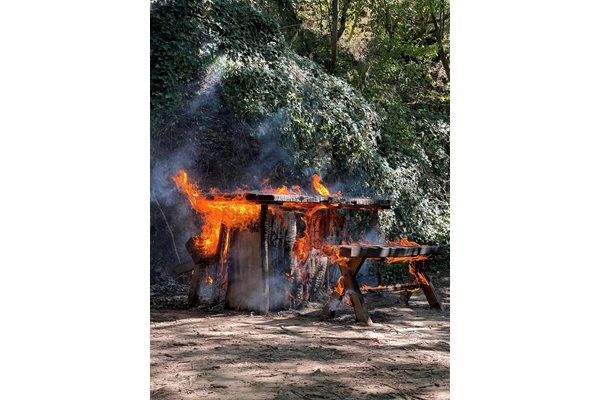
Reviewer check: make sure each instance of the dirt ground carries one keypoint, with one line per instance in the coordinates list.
(202, 354)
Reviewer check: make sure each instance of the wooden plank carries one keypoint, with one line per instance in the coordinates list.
(264, 256)
(220, 282)
(392, 288)
(272, 198)
(417, 270)
(386, 251)
(197, 256)
(244, 290)
(435, 301)
(183, 267)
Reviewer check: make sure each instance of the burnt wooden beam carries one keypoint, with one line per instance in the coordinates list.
(431, 294)
(220, 281)
(351, 288)
(193, 298)
(417, 270)
(264, 255)
(197, 256)
(279, 199)
(182, 268)
(386, 251)
(411, 286)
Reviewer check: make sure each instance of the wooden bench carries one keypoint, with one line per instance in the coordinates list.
(356, 256)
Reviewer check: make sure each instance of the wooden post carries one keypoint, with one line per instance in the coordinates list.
(264, 256)
(351, 286)
(374, 226)
(417, 272)
(220, 282)
(193, 298)
(425, 283)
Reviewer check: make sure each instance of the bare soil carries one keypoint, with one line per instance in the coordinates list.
(203, 354)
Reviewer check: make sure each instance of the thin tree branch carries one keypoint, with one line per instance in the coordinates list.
(168, 226)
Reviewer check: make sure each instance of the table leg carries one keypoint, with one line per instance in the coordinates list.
(417, 271)
(352, 288)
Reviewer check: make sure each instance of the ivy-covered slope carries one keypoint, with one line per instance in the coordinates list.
(278, 103)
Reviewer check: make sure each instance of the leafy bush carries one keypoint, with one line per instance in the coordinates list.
(374, 147)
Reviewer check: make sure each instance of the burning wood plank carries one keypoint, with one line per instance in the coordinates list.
(371, 251)
(280, 199)
(401, 287)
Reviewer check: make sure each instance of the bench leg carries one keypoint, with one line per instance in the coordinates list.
(351, 288)
(417, 271)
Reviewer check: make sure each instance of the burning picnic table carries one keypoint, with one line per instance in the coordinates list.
(261, 260)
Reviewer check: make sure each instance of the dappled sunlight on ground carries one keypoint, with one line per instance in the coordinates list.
(405, 354)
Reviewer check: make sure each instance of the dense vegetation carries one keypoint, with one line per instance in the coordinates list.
(363, 101)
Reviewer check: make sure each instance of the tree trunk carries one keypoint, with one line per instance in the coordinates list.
(439, 38)
(334, 33)
(343, 18)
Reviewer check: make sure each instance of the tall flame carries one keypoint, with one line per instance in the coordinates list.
(318, 186)
(233, 213)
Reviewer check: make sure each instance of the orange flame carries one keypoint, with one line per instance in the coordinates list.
(405, 242)
(402, 242)
(333, 255)
(233, 213)
(406, 259)
(318, 186)
(283, 189)
(340, 286)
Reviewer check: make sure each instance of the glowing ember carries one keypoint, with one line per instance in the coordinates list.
(233, 213)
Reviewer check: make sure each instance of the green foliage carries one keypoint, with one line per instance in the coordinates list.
(392, 273)
(392, 52)
(380, 125)
(176, 53)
